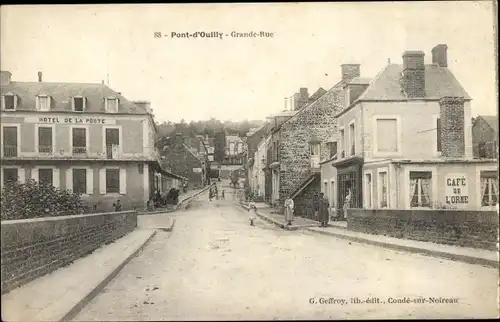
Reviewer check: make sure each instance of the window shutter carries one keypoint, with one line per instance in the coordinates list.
(438, 130)
(56, 179)
(15, 102)
(69, 179)
(21, 174)
(3, 102)
(49, 103)
(84, 103)
(72, 103)
(37, 103)
(102, 181)
(123, 181)
(34, 174)
(90, 181)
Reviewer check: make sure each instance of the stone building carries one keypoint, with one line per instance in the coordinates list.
(86, 138)
(406, 142)
(307, 138)
(254, 164)
(485, 136)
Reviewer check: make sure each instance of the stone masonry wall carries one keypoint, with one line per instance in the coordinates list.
(32, 248)
(478, 229)
(314, 121)
(452, 127)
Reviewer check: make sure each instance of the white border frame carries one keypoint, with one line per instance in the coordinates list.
(379, 188)
(406, 183)
(37, 138)
(365, 188)
(16, 125)
(479, 169)
(375, 151)
(87, 137)
(352, 140)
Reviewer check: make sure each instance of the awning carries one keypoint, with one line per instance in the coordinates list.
(158, 168)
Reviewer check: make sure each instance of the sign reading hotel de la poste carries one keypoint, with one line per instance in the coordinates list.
(456, 190)
(69, 119)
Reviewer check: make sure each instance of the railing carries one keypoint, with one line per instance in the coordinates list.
(45, 149)
(109, 151)
(78, 150)
(10, 151)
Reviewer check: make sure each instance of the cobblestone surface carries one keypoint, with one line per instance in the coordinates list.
(215, 266)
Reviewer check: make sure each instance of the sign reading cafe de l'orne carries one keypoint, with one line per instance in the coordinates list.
(456, 189)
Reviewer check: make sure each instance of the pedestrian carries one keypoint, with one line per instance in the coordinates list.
(347, 204)
(210, 194)
(289, 211)
(323, 210)
(253, 212)
(222, 197)
(118, 206)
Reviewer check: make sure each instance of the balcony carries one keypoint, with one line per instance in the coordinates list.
(10, 151)
(47, 149)
(109, 151)
(79, 151)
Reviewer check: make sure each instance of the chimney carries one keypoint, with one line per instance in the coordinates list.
(414, 74)
(5, 77)
(439, 55)
(40, 77)
(349, 71)
(301, 98)
(452, 127)
(286, 104)
(145, 105)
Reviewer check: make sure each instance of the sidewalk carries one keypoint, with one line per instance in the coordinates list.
(61, 294)
(339, 229)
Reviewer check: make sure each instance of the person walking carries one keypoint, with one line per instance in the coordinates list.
(289, 211)
(323, 210)
(222, 196)
(210, 194)
(253, 212)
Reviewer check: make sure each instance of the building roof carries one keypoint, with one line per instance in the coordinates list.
(284, 113)
(360, 81)
(61, 94)
(317, 94)
(439, 82)
(492, 121)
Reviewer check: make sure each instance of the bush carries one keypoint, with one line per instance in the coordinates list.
(34, 200)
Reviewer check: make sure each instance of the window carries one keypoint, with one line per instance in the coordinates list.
(489, 188)
(112, 105)
(314, 149)
(332, 146)
(45, 139)
(79, 140)
(368, 190)
(43, 103)
(9, 102)
(10, 141)
(383, 193)
(420, 189)
(342, 142)
(79, 104)
(387, 135)
(352, 139)
(438, 134)
(45, 176)
(112, 180)
(10, 175)
(112, 137)
(80, 180)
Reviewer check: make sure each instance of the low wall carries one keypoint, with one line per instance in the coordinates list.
(477, 229)
(34, 247)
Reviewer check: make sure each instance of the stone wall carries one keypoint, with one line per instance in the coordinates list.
(316, 121)
(32, 248)
(478, 229)
(304, 202)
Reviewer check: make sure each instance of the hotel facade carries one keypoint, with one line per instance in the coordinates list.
(86, 138)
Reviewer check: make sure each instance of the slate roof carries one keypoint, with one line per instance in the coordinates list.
(317, 94)
(360, 81)
(492, 121)
(439, 82)
(61, 94)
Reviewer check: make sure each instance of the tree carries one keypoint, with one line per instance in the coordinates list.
(220, 146)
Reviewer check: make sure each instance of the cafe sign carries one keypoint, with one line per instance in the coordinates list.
(69, 120)
(456, 190)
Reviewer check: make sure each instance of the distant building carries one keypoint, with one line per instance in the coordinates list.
(485, 137)
(87, 138)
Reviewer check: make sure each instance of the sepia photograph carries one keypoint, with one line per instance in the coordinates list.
(249, 161)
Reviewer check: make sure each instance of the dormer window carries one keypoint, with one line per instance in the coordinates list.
(43, 103)
(79, 103)
(9, 102)
(112, 105)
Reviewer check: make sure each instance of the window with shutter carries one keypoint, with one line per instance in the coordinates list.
(80, 181)
(112, 180)
(10, 175)
(10, 141)
(45, 143)
(46, 176)
(78, 104)
(9, 102)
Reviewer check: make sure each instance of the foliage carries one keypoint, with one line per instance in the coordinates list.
(219, 147)
(33, 200)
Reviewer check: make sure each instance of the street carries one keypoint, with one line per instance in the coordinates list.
(215, 266)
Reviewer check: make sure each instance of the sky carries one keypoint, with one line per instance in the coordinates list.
(242, 78)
